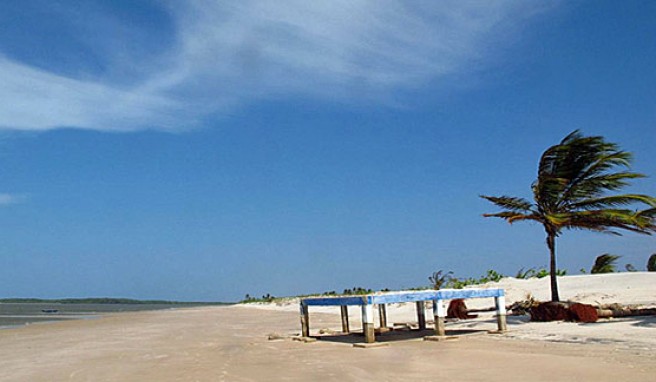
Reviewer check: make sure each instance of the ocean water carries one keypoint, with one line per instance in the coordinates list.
(19, 314)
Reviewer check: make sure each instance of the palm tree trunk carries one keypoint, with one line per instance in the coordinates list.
(551, 243)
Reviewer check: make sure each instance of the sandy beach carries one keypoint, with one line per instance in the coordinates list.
(231, 344)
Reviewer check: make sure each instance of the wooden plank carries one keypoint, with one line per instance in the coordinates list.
(451, 294)
(371, 345)
(336, 301)
(345, 319)
(390, 298)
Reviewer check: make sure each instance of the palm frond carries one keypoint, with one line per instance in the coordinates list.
(512, 217)
(606, 220)
(612, 201)
(648, 214)
(597, 185)
(510, 203)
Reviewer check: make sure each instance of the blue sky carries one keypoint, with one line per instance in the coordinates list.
(203, 150)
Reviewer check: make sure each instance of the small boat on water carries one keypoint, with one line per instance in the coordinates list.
(49, 311)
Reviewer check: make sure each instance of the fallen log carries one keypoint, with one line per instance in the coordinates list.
(550, 311)
(605, 311)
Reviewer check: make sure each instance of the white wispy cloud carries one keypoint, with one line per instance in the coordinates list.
(6, 199)
(228, 55)
(33, 99)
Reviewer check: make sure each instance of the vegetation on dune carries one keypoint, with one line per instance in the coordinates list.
(355, 291)
(439, 278)
(442, 279)
(537, 273)
(570, 192)
(630, 268)
(445, 280)
(265, 298)
(490, 276)
(605, 264)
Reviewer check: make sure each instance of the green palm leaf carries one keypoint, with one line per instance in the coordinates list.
(611, 201)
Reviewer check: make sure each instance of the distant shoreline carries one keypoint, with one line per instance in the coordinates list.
(105, 300)
(15, 313)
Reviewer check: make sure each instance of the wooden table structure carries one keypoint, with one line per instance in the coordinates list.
(367, 303)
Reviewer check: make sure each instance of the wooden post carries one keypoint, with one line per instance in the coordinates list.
(345, 319)
(305, 321)
(500, 302)
(439, 313)
(368, 323)
(382, 315)
(421, 315)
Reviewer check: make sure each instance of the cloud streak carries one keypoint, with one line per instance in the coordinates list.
(7, 199)
(227, 56)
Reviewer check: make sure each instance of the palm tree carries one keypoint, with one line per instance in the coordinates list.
(570, 193)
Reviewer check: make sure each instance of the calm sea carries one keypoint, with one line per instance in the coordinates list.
(18, 314)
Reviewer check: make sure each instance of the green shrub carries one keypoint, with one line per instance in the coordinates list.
(604, 264)
(250, 299)
(490, 276)
(539, 273)
(651, 263)
(438, 279)
(357, 291)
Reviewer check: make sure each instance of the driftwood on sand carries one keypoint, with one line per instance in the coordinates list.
(555, 311)
(617, 311)
(567, 311)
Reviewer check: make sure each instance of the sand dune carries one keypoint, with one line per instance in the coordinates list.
(628, 288)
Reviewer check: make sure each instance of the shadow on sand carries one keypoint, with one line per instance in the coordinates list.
(394, 335)
(643, 321)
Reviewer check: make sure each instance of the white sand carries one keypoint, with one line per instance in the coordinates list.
(627, 288)
(231, 344)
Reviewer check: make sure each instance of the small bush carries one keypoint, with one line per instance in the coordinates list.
(604, 264)
(357, 291)
(250, 299)
(651, 263)
(490, 276)
(539, 273)
(438, 279)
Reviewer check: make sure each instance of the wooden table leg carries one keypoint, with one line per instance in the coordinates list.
(500, 302)
(345, 319)
(305, 321)
(368, 323)
(382, 314)
(439, 314)
(421, 315)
